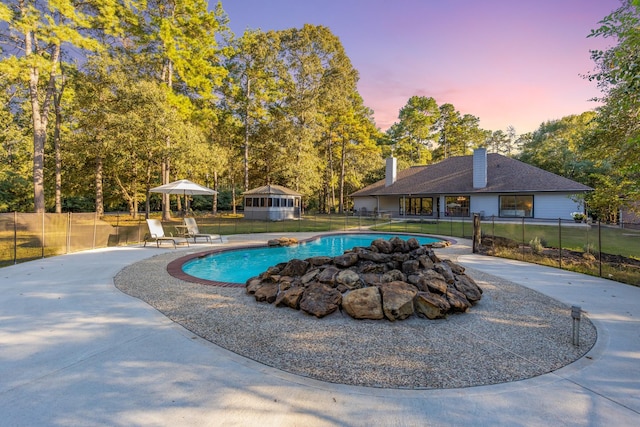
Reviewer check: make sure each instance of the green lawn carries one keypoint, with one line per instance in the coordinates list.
(613, 240)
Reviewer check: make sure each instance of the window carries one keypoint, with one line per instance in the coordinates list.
(457, 205)
(248, 201)
(417, 205)
(516, 206)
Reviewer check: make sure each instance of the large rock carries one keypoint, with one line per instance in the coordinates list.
(445, 270)
(319, 260)
(413, 244)
(384, 246)
(410, 266)
(468, 287)
(397, 299)
(394, 276)
(346, 260)
(365, 303)
(267, 293)
(252, 285)
(309, 276)
(387, 279)
(426, 262)
(378, 257)
(349, 278)
(399, 245)
(295, 267)
(290, 298)
(365, 267)
(430, 281)
(457, 300)
(431, 306)
(328, 275)
(320, 300)
(455, 268)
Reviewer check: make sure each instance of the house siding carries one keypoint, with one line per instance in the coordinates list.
(554, 206)
(485, 204)
(545, 205)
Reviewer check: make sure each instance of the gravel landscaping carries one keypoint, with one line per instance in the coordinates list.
(513, 333)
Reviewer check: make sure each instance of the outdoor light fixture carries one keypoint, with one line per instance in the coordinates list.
(575, 315)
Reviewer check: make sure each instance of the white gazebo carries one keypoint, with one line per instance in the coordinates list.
(272, 202)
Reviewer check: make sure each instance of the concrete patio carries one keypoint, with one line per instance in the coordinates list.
(75, 351)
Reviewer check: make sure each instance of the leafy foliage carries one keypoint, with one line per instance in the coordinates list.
(162, 90)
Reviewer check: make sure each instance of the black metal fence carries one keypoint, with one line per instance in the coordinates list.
(605, 250)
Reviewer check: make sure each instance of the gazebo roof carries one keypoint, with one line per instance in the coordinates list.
(271, 190)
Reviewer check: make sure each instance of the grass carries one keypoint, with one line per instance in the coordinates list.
(613, 240)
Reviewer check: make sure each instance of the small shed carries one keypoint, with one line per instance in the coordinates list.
(272, 202)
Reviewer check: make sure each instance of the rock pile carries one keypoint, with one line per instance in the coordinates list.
(390, 279)
(283, 241)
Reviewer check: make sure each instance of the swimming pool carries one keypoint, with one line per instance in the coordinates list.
(238, 265)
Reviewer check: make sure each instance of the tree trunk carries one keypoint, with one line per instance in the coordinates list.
(332, 191)
(166, 164)
(166, 201)
(342, 173)
(57, 100)
(246, 139)
(214, 207)
(40, 117)
(58, 159)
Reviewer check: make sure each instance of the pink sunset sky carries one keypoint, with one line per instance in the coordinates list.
(507, 62)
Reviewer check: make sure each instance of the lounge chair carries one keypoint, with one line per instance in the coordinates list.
(156, 232)
(193, 231)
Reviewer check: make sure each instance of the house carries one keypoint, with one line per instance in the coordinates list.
(271, 202)
(488, 184)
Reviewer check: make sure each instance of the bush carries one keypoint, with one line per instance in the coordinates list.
(536, 245)
(588, 248)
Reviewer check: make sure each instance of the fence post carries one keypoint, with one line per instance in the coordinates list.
(560, 243)
(118, 229)
(15, 237)
(68, 231)
(95, 230)
(493, 231)
(523, 242)
(476, 233)
(43, 235)
(599, 250)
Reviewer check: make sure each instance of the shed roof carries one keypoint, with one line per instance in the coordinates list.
(271, 190)
(455, 176)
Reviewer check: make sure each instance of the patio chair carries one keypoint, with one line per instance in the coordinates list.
(156, 232)
(193, 231)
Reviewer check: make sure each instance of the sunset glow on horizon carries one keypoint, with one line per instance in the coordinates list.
(506, 62)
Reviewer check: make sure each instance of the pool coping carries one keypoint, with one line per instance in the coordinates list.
(174, 268)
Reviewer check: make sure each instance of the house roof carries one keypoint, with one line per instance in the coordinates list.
(455, 176)
(271, 190)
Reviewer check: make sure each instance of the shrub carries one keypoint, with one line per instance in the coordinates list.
(588, 248)
(536, 245)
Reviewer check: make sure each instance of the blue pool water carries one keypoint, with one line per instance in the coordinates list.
(236, 266)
